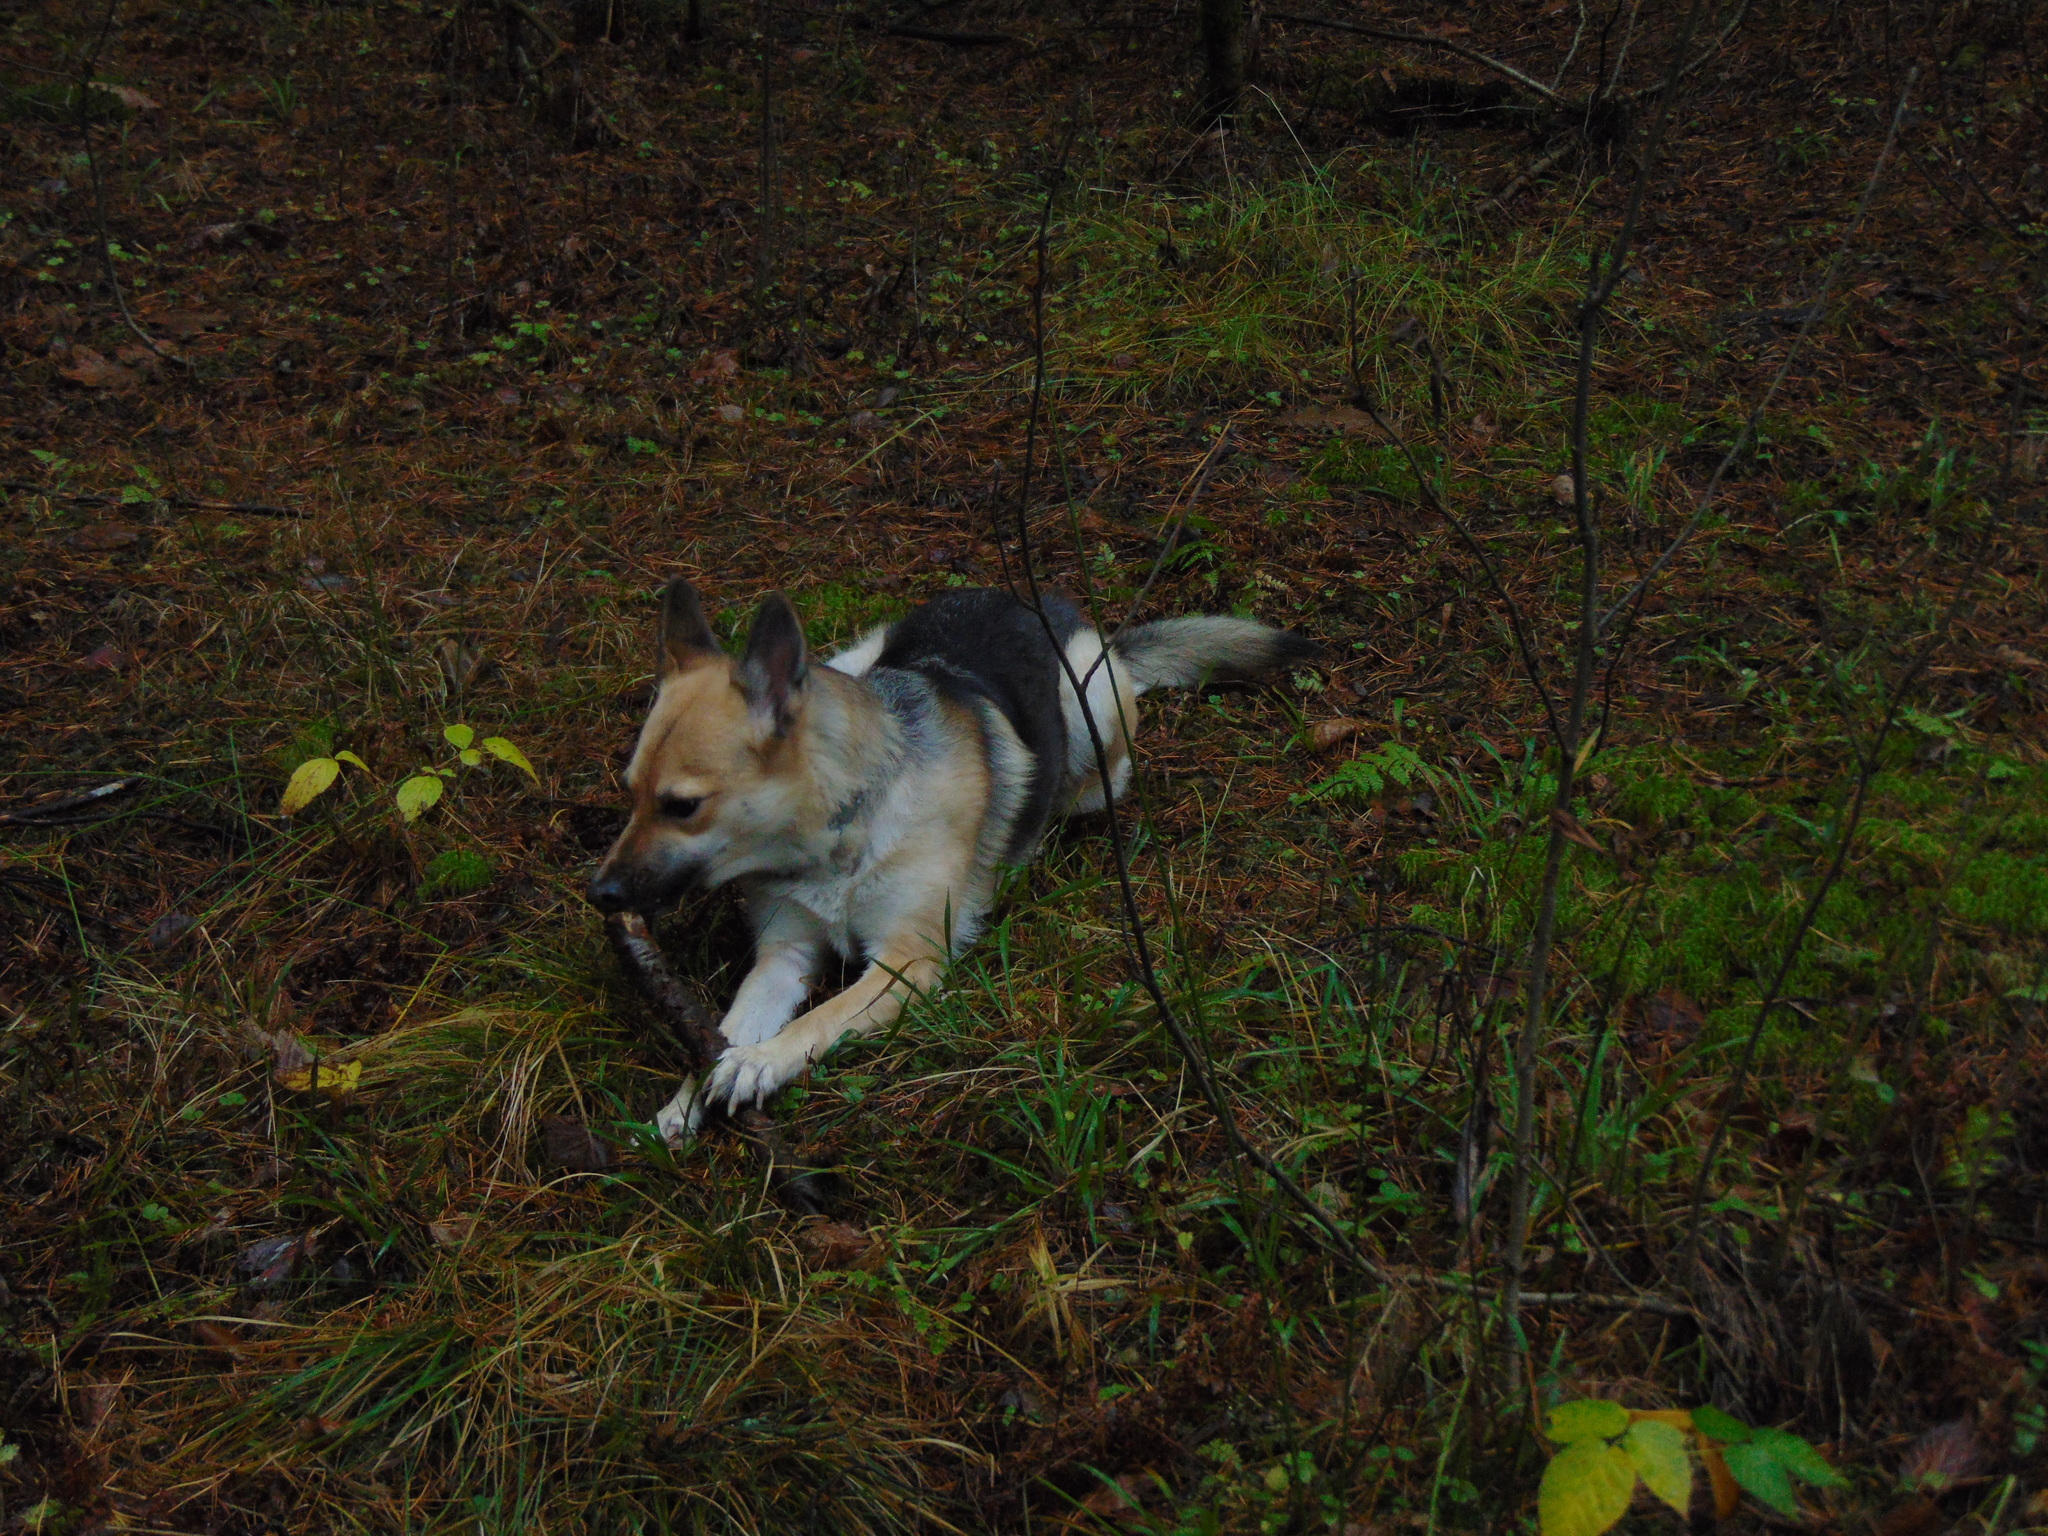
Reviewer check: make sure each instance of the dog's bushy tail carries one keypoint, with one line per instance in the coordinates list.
(1178, 653)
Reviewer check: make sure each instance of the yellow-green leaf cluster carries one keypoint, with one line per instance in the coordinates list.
(1609, 1448)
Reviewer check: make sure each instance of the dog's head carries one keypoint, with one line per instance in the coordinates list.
(714, 791)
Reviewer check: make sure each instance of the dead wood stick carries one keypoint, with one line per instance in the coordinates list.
(1424, 40)
(692, 1027)
(181, 503)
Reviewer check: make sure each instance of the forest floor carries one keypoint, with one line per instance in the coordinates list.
(448, 365)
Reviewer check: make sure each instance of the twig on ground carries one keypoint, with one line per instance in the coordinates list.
(1424, 40)
(692, 1028)
(177, 502)
(30, 814)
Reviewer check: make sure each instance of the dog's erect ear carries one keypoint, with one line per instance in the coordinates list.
(684, 633)
(773, 670)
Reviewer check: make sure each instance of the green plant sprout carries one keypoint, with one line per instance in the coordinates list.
(1608, 1448)
(418, 792)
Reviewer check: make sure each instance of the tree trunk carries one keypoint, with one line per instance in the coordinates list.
(1222, 60)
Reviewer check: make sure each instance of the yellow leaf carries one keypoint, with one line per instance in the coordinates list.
(308, 782)
(471, 758)
(417, 793)
(1585, 1489)
(350, 757)
(1589, 1418)
(458, 735)
(498, 746)
(337, 1077)
(1662, 1461)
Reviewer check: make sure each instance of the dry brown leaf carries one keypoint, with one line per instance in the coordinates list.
(1347, 419)
(1325, 734)
(1727, 1492)
(1918, 1516)
(311, 1428)
(1119, 1500)
(1564, 490)
(1574, 831)
(96, 1399)
(190, 322)
(722, 364)
(2013, 656)
(569, 1144)
(128, 96)
(214, 1336)
(84, 366)
(1943, 1457)
(451, 1231)
(833, 1244)
(103, 536)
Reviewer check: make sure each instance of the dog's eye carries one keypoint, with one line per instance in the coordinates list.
(680, 807)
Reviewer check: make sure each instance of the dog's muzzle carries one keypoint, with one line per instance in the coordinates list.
(621, 885)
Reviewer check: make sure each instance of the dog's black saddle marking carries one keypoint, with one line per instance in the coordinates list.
(981, 644)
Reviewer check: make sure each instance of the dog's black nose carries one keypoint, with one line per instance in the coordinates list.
(609, 891)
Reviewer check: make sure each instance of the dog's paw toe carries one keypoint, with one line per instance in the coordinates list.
(681, 1116)
(749, 1074)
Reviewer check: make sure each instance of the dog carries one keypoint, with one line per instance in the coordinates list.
(865, 806)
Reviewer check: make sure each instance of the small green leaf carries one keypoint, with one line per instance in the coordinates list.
(417, 793)
(1799, 1458)
(350, 757)
(1586, 1488)
(309, 781)
(1588, 1419)
(1716, 1425)
(458, 735)
(499, 747)
(1762, 1476)
(471, 758)
(1662, 1460)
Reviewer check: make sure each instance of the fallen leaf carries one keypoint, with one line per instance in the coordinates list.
(568, 1143)
(311, 1428)
(1325, 734)
(865, 423)
(1346, 419)
(84, 366)
(145, 360)
(451, 1230)
(2013, 656)
(1119, 1500)
(1941, 1458)
(1574, 831)
(1123, 360)
(730, 412)
(1727, 1492)
(833, 1244)
(190, 322)
(100, 536)
(272, 1259)
(723, 364)
(1564, 490)
(97, 1399)
(168, 929)
(1918, 1516)
(107, 659)
(337, 1078)
(128, 96)
(213, 1336)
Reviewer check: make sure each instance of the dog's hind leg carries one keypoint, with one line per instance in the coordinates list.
(749, 1074)
(787, 954)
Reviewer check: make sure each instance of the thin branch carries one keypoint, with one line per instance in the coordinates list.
(1813, 313)
(1424, 40)
(180, 503)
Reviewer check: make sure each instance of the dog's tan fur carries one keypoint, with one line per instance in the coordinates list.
(863, 815)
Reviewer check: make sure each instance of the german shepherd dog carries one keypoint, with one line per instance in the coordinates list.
(865, 805)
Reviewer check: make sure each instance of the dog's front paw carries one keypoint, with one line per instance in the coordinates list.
(682, 1115)
(751, 1074)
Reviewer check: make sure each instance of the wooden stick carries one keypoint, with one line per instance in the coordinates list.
(692, 1027)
